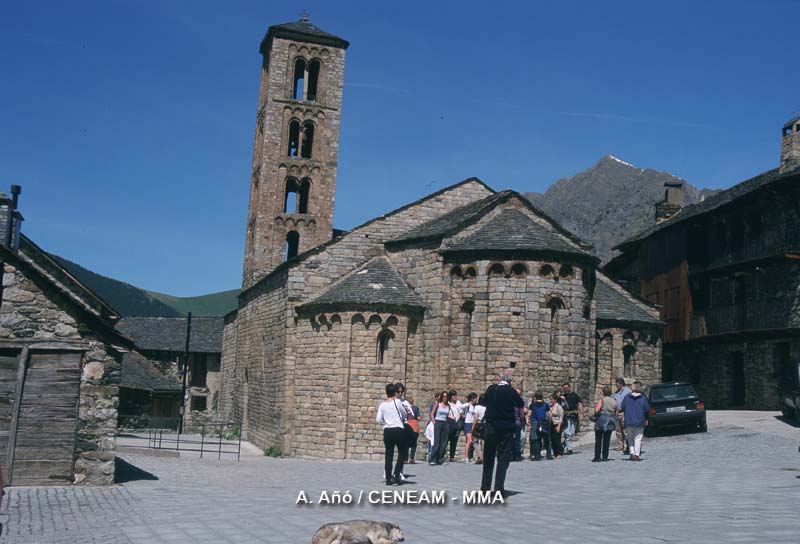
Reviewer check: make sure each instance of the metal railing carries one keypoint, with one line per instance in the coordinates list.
(209, 438)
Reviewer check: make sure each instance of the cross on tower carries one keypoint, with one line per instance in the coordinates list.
(304, 15)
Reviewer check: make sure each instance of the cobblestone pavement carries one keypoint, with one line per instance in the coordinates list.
(740, 482)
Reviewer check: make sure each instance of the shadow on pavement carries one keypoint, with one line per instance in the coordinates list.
(126, 472)
(788, 421)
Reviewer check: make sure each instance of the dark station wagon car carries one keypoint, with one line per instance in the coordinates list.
(675, 404)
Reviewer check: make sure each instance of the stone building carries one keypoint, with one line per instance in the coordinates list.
(60, 362)
(726, 273)
(162, 340)
(439, 293)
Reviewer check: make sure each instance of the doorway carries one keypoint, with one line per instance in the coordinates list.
(737, 383)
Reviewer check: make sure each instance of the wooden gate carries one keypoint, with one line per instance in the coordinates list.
(9, 362)
(47, 420)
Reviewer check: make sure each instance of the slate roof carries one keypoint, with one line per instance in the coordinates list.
(302, 31)
(614, 306)
(169, 333)
(512, 230)
(375, 283)
(139, 373)
(450, 223)
(713, 202)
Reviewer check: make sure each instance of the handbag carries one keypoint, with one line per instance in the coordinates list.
(410, 432)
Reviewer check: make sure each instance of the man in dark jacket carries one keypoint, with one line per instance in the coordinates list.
(500, 400)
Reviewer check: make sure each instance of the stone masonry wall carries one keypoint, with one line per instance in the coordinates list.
(645, 363)
(711, 367)
(33, 311)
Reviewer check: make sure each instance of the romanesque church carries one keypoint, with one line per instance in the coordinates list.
(439, 293)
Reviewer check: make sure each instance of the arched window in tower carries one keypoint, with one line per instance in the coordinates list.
(308, 139)
(554, 305)
(290, 197)
(292, 244)
(299, 78)
(313, 79)
(385, 338)
(305, 187)
(294, 138)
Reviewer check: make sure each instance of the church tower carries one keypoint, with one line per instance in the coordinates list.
(296, 147)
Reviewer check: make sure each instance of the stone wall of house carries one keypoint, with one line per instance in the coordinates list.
(32, 310)
(712, 367)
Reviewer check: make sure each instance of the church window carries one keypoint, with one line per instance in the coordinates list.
(294, 138)
(554, 305)
(308, 139)
(302, 205)
(546, 271)
(290, 197)
(299, 78)
(456, 272)
(292, 244)
(384, 339)
(627, 366)
(519, 269)
(313, 77)
(471, 273)
(566, 271)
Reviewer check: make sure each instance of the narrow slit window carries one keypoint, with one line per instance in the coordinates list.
(292, 244)
(384, 341)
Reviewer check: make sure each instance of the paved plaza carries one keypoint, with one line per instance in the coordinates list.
(740, 482)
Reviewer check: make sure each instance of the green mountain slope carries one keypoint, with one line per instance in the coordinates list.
(213, 305)
(129, 300)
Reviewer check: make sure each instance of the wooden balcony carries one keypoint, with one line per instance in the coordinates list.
(739, 318)
(771, 243)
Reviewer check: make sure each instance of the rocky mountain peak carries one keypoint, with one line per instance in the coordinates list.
(609, 202)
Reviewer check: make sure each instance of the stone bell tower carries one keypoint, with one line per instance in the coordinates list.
(295, 152)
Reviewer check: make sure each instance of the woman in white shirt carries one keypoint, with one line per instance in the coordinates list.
(478, 427)
(391, 415)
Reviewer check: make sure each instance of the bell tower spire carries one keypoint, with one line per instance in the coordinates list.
(296, 144)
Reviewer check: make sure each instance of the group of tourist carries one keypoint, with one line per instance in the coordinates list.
(495, 425)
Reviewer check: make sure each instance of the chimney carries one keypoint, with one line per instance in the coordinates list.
(790, 146)
(673, 200)
(10, 218)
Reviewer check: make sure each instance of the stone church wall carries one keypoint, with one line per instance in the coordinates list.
(645, 360)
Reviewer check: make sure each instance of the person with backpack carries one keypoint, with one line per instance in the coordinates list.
(539, 424)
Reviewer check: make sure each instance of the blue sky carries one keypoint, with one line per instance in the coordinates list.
(129, 124)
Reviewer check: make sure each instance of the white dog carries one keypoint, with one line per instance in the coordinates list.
(358, 531)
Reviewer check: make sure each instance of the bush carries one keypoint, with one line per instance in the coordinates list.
(272, 452)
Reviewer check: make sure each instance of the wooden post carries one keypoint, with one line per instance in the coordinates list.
(22, 367)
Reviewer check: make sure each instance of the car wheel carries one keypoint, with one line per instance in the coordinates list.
(785, 411)
(703, 425)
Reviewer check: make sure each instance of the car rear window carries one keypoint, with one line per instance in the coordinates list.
(672, 393)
